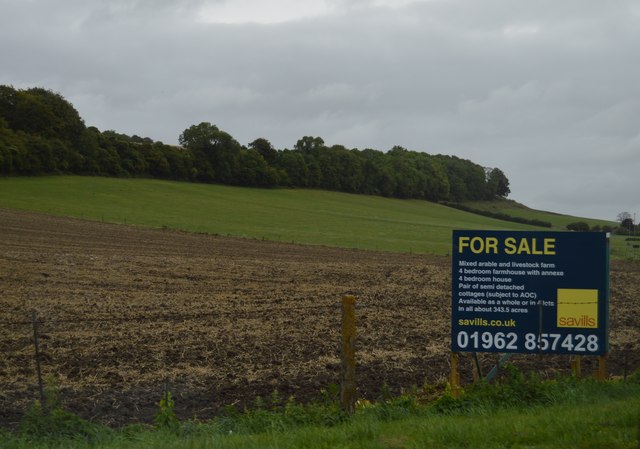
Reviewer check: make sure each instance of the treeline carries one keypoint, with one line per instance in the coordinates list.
(582, 226)
(42, 133)
(500, 215)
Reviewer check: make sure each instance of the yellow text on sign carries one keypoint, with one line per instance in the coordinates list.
(510, 245)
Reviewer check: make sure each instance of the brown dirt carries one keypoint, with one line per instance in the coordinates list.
(122, 311)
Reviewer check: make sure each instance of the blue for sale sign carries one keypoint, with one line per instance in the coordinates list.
(530, 292)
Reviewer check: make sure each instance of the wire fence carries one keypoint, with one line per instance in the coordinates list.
(69, 339)
(629, 250)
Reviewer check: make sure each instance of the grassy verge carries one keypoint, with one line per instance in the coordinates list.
(515, 413)
(302, 216)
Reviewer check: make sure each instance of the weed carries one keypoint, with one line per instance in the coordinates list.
(634, 378)
(385, 392)
(331, 395)
(279, 415)
(276, 400)
(512, 390)
(166, 418)
(51, 421)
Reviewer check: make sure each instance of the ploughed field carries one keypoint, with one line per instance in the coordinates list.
(124, 312)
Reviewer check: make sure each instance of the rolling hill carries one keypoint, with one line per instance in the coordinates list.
(288, 215)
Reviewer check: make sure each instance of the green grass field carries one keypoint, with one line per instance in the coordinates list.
(288, 215)
(302, 216)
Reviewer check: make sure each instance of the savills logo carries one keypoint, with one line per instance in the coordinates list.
(583, 321)
(577, 308)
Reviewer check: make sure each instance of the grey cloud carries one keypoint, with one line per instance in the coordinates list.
(545, 90)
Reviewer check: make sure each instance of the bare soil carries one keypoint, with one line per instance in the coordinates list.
(124, 311)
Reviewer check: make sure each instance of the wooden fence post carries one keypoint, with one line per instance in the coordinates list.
(576, 366)
(348, 355)
(454, 377)
(34, 322)
(602, 368)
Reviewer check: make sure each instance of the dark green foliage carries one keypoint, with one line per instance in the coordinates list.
(50, 421)
(278, 414)
(579, 226)
(253, 171)
(295, 171)
(519, 391)
(604, 228)
(56, 423)
(42, 133)
(514, 389)
(499, 216)
(634, 378)
(215, 150)
(265, 149)
(41, 112)
(497, 183)
(467, 181)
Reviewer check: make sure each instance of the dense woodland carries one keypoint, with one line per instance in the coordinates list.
(42, 133)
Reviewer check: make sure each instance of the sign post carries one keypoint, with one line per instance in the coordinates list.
(530, 292)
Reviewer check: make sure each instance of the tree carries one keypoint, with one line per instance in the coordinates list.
(623, 216)
(467, 180)
(309, 145)
(350, 166)
(436, 183)
(216, 153)
(264, 147)
(410, 181)
(626, 223)
(497, 183)
(157, 162)
(295, 169)
(253, 170)
(579, 226)
(180, 162)
(310, 148)
(42, 112)
(12, 152)
(8, 101)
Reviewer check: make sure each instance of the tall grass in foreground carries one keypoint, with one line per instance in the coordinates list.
(515, 413)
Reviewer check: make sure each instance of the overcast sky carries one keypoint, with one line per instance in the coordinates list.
(547, 90)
